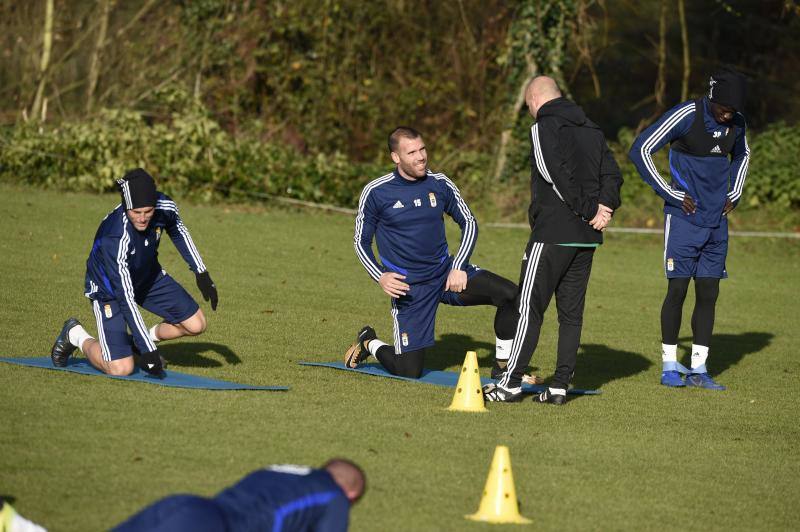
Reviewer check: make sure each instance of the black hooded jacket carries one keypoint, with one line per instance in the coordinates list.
(572, 171)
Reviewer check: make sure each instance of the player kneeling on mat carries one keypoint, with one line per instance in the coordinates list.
(123, 272)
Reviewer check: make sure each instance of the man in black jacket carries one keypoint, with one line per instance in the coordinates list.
(575, 184)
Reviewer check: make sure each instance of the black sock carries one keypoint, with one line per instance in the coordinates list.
(672, 309)
(706, 291)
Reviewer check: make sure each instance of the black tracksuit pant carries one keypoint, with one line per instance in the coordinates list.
(549, 269)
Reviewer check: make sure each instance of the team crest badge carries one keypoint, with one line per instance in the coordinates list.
(432, 197)
(404, 339)
(670, 265)
(107, 311)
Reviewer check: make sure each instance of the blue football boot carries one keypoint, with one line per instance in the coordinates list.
(699, 378)
(672, 378)
(671, 374)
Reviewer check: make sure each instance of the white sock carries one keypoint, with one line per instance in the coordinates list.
(374, 345)
(669, 353)
(699, 355)
(502, 349)
(152, 334)
(77, 335)
(557, 391)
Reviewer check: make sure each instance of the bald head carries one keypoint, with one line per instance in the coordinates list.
(540, 90)
(348, 476)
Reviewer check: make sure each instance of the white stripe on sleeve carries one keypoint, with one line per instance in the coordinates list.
(167, 205)
(127, 285)
(468, 239)
(539, 158)
(646, 150)
(741, 175)
(362, 255)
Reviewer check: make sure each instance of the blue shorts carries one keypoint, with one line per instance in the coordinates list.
(414, 314)
(692, 251)
(165, 298)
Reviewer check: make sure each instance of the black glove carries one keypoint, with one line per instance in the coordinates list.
(151, 363)
(207, 288)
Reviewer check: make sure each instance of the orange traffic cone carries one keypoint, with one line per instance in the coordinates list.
(469, 396)
(499, 503)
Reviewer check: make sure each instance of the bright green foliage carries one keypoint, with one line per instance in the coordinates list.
(774, 174)
(82, 453)
(539, 31)
(192, 156)
(189, 154)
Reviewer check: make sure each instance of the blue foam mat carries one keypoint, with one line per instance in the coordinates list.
(173, 378)
(439, 378)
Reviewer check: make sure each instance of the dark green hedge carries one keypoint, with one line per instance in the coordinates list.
(192, 156)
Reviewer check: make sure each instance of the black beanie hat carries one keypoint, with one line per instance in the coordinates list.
(727, 87)
(138, 189)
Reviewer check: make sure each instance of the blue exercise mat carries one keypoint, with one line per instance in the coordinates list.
(439, 378)
(172, 378)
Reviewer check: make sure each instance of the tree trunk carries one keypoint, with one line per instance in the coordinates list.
(661, 78)
(47, 46)
(94, 66)
(502, 151)
(687, 66)
(135, 19)
(505, 137)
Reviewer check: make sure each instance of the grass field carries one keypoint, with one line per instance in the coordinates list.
(83, 453)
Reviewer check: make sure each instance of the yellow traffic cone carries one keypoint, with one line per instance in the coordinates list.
(468, 396)
(499, 502)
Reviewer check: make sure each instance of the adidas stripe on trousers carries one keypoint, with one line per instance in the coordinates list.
(549, 269)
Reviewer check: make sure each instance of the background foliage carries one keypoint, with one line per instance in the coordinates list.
(296, 98)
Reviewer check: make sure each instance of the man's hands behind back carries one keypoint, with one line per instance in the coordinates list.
(602, 218)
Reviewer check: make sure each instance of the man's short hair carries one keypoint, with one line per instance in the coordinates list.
(401, 132)
(348, 475)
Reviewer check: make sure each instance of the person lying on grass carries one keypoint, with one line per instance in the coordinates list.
(280, 497)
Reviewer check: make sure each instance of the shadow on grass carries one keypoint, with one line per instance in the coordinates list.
(728, 349)
(190, 354)
(599, 364)
(451, 349)
(10, 499)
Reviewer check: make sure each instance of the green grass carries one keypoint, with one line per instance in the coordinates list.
(83, 453)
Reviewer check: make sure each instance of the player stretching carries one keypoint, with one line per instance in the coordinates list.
(708, 161)
(123, 272)
(404, 211)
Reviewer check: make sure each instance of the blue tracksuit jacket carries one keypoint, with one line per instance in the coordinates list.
(280, 499)
(708, 180)
(286, 498)
(407, 220)
(124, 263)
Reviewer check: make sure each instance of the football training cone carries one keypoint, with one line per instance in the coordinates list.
(499, 502)
(468, 396)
